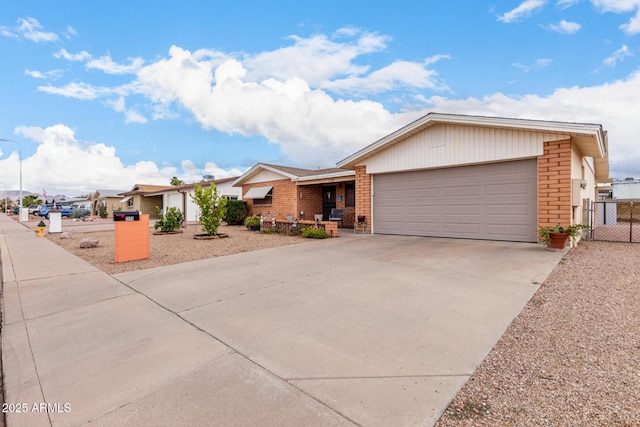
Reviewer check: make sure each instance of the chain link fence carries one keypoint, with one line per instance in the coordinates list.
(614, 220)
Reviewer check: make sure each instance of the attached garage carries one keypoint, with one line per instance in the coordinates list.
(475, 177)
(495, 201)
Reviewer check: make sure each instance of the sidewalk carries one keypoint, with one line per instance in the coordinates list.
(78, 345)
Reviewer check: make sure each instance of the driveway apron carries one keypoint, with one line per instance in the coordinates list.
(358, 330)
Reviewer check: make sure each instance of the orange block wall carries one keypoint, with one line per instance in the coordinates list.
(132, 239)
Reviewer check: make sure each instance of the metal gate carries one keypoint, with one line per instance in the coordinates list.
(614, 220)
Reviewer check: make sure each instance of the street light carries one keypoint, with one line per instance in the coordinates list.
(20, 158)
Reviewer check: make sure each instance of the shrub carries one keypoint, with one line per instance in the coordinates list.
(171, 221)
(77, 213)
(212, 207)
(252, 221)
(102, 210)
(314, 233)
(237, 211)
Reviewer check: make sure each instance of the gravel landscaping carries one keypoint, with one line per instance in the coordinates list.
(571, 358)
(170, 248)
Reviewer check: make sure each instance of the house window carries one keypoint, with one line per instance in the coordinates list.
(350, 195)
(266, 201)
(130, 202)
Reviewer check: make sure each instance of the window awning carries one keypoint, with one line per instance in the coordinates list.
(125, 200)
(257, 193)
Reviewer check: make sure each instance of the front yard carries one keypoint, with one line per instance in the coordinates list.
(171, 248)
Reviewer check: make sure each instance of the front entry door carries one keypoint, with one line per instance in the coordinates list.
(328, 201)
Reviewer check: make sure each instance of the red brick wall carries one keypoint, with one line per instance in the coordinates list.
(363, 195)
(311, 201)
(284, 201)
(554, 184)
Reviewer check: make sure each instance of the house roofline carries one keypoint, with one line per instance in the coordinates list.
(295, 178)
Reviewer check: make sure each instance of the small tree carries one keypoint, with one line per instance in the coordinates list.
(31, 199)
(169, 222)
(212, 207)
(175, 181)
(102, 210)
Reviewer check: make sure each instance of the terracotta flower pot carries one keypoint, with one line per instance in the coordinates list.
(558, 240)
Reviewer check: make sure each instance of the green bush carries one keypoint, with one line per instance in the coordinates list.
(171, 221)
(252, 221)
(314, 233)
(212, 207)
(102, 210)
(237, 211)
(77, 213)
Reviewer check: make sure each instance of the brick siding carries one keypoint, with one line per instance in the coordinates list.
(363, 195)
(554, 184)
(284, 201)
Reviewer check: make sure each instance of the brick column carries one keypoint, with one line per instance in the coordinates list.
(363, 195)
(554, 184)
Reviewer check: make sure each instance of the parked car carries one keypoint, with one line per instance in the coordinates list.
(46, 208)
(33, 209)
(15, 210)
(84, 207)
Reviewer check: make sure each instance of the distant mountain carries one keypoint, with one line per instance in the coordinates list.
(15, 195)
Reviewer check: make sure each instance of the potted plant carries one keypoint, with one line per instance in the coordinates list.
(556, 237)
(252, 222)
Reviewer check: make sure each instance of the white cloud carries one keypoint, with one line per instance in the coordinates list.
(31, 29)
(288, 112)
(70, 32)
(397, 74)
(132, 116)
(316, 59)
(107, 65)
(616, 6)
(565, 27)
(77, 90)
(564, 4)
(61, 162)
(524, 10)
(614, 105)
(44, 75)
(80, 56)
(7, 32)
(117, 104)
(622, 6)
(281, 95)
(618, 55)
(538, 64)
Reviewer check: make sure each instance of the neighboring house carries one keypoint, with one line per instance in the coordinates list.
(284, 192)
(491, 178)
(629, 188)
(180, 196)
(143, 198)
(110, 199)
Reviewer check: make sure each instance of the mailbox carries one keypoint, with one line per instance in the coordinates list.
(126, 216)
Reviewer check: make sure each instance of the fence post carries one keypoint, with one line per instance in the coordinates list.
(631, 221)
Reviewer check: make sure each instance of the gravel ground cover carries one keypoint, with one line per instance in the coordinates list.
(572, 356)
(170, 248)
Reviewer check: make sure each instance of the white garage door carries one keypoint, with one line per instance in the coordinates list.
(496, 201)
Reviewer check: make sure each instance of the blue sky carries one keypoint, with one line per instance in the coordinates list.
(105, 94)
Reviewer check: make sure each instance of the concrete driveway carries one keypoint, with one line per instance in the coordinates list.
(364, 330)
